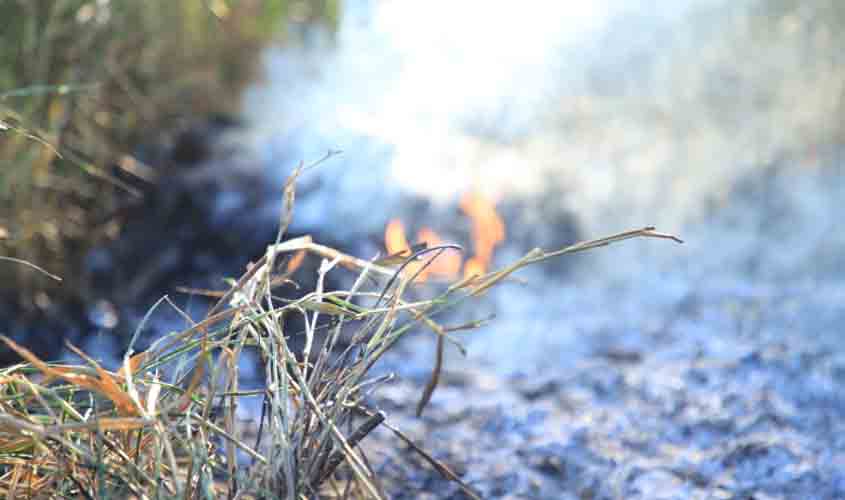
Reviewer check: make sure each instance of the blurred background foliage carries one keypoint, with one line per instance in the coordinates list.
(83, 83)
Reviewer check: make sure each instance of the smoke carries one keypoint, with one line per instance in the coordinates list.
(674, 116)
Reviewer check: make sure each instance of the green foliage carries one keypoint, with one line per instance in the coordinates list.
(84, 81)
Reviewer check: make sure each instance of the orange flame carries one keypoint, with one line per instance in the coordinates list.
(448, 264)
(488, 231)
(295, 261)
(394, 237)
(474, 267)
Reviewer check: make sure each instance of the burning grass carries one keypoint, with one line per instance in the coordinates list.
(488, 231)
(165, 423)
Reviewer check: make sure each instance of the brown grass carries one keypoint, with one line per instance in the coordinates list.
(165, 423)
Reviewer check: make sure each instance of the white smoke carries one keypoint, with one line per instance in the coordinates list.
(638, 112)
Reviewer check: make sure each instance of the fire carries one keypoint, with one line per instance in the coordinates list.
(488, 231)
(474, 267)
(394, 237)
(295, 261)
(446, 265)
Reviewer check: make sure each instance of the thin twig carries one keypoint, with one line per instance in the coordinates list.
(440, 467)
(435, 377)
(31, 265)
(360, 433)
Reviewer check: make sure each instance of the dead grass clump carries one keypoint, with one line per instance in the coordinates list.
(166, 423)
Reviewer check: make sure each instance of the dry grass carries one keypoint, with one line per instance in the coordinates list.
(82, 84)
(165, 424)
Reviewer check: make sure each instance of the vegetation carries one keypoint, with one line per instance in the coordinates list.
(165, 423)
(83, 83)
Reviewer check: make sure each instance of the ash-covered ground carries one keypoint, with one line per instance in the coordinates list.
(728, 392)
(689, 383)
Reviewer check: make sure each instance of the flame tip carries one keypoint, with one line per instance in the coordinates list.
(488, 231)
